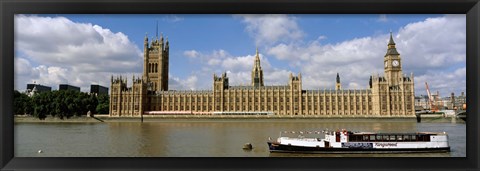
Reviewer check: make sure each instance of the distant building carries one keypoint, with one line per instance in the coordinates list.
(460, 100)
(68, 87)
(450, 102)
(422, 101)
(36, 88)
(98, 89)
(40, 88)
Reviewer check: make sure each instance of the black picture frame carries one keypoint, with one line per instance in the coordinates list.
(10, 7)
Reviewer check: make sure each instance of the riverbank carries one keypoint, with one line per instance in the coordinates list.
(49, 119)
(221, 118)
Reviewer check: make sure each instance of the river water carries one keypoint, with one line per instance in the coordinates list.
(207, 138)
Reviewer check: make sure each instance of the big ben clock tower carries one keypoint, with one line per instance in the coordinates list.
(393, 64)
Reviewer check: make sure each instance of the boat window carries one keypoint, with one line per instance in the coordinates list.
(424, 138)
(355, 138)
(392, 137)
(399, 138)
(365, 138)
(385, 137)
(372, 137)
(378, 138)
(406, 137)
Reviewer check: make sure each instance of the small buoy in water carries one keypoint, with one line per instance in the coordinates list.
(40, 151)
(247, 146)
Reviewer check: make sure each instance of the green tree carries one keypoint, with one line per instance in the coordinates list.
(103, 104)
(21, 103)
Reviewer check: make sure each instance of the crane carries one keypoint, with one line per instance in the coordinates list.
(431, 100)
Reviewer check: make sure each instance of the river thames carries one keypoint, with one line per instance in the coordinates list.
(208, 138)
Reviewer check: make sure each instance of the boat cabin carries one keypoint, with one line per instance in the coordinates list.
(388, 137)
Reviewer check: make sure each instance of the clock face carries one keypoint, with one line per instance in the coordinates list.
(395, 63)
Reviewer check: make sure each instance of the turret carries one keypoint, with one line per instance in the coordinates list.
(257, 72)
(166, 44)
(145, 41)
(338, 86)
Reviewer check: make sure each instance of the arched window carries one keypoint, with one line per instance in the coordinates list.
(156, 67)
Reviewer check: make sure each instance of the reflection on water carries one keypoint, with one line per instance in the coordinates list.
(177, 138)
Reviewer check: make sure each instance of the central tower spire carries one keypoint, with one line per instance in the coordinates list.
(257, 72)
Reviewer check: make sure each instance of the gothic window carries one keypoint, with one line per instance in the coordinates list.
(156, 67)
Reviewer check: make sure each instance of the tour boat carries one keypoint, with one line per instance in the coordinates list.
(362, 142)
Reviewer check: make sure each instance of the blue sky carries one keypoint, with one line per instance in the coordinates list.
(88, 49)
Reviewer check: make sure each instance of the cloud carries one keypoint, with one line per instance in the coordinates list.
(77, 53)
(435, 45)
(433, 49)
(382, 18)
(270, 29)
(238, 68)
(173, 18)
(53, 50)
(441, 81)
(190, 83)
(191, 53)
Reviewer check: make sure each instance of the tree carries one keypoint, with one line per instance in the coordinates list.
(21, 103)
(62, 104)
(103, 104)
(92, 104)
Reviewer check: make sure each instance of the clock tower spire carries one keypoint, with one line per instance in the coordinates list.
(393, 64)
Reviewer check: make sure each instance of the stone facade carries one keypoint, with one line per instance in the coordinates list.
(387, 96)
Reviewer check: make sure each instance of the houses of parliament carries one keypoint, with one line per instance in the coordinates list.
(390, 95)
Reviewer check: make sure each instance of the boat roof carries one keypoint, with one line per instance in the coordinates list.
(396, 133)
